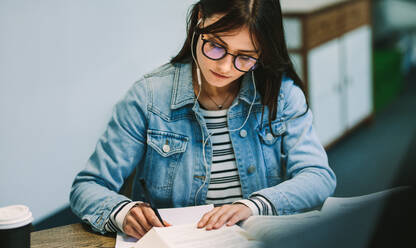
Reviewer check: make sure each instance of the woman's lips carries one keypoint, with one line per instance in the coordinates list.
(218, 75)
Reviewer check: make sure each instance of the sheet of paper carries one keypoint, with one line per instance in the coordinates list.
(189, 236)
(174, 216)
(186, 215)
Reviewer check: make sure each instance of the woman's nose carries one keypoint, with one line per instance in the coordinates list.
(225, 64)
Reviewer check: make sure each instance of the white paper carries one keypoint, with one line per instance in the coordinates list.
(186, 215)
(174, 216)
(185, 236)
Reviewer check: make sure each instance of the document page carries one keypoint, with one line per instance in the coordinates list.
(174, 216)
(189, 236)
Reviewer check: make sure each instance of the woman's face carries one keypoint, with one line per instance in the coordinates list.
(220, 73)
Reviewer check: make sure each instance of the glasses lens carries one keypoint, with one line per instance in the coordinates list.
(213, 50)
(245, 63)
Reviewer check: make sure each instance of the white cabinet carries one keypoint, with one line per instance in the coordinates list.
(357, 76)
(340, 83)
(330, 46)
(325, 96)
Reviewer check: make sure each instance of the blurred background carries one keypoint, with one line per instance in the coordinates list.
(64, 64)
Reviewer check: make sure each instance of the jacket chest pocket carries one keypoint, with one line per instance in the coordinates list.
(164, 156)
(272, 151)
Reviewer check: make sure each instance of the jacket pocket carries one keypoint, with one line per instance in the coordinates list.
(272, 151)
(166, 143)
(279, 128)
(164, 156)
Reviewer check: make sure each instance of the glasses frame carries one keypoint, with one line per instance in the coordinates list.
(204, 41)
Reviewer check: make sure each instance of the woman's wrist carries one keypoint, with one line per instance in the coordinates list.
(258, 205)
(118, 215)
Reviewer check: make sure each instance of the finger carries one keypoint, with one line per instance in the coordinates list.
(236, 217)
(214, 218)
(129, 230)
(202, 222)
(151, 217)
(137, 213)
(225, 217)
(242, 214)
(133, 226)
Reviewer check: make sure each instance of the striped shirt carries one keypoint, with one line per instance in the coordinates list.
(224, 186)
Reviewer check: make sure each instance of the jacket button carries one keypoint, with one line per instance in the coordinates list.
(269, 136)
(243, 133)
(251, 169)
(166, 148)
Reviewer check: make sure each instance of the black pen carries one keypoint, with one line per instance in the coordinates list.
(149, 199)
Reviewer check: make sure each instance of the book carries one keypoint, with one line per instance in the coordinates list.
(341, 221)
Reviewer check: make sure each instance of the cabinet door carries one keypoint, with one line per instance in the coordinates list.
(358, 77)
(325, 91)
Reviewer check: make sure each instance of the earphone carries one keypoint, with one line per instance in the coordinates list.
(205, 140)
(198, 71)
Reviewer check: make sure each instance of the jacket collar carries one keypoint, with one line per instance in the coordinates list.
(183, 92)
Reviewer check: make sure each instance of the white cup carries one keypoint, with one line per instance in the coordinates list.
(15, 226)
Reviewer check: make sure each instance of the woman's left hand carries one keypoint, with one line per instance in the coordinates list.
(227, 214)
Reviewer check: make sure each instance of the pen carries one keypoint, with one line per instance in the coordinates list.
(149, 199)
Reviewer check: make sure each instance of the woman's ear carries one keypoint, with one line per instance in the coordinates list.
(200, 19)
(199, 15)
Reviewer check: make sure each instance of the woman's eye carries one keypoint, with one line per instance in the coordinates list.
(216, 45)
(243, 57)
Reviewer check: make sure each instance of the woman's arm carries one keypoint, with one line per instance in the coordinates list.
(94, 192)
(310, 179)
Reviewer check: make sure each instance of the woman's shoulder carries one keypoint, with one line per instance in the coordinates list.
(158, 79)
(292, 97)
(163, 70)
(156, 87)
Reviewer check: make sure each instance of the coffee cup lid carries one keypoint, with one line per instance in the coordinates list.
(14, 216)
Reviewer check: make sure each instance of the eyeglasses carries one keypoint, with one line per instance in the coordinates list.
(215, 51)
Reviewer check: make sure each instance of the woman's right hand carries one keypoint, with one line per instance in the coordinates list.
(140, 219)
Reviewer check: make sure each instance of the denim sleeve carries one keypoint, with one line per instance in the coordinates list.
(310, 180)
(94, 193)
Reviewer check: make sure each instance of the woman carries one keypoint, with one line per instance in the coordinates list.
(225, 122)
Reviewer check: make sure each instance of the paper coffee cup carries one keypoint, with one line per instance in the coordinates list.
(15, 226)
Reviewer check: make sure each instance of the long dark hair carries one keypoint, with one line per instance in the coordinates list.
(264, 21)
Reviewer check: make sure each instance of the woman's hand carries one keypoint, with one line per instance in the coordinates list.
(140, 219)
(227, 214)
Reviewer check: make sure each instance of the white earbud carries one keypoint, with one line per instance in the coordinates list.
(198, 74)
(198, 71)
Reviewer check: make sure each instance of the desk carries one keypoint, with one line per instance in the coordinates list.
(75, 235)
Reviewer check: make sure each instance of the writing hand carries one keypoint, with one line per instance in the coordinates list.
(227, 214)
(140, 219)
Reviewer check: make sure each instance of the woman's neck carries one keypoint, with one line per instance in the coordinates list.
(215, 98)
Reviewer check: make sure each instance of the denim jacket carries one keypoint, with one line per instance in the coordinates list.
(158, 129)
